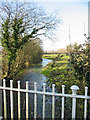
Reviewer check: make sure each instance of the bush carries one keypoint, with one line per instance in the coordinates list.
(28, 54)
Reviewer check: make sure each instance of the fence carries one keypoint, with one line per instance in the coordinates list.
(74, 96)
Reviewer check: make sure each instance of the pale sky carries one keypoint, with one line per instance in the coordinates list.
(51, 0)
(73, 13)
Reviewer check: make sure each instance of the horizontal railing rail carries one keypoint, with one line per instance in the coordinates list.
(74, 96)
(46, 93)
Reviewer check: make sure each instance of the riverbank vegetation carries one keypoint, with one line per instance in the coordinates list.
(60, 72)
(70, 69)
(21, 23)
(30, 53)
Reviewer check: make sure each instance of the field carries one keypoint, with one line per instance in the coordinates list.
(57, 58)
(50, 56)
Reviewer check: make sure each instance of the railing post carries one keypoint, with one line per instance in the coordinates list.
(85, 106)
(63, 88)
(4, 95)
(18, 99)
(35, 101)
(44, 101)
(74, 89)
(26, 100)
(53, 101)
(11, 97)
(1, 100)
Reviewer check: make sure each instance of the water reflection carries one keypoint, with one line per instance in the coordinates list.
(32, 74)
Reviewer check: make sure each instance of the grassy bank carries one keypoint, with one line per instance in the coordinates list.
(61, 72)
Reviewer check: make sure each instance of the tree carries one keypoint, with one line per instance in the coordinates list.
(79, 58)
(19, 23)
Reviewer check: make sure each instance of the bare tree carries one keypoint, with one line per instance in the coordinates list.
(20, 22)
(35, 20)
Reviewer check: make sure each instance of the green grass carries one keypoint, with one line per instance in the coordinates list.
(58, 58)
(59, 72)
(65, 57)
(50, 56)
(62, 62)
(59, 62)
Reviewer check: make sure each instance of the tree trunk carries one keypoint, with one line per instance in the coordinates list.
(8, 72)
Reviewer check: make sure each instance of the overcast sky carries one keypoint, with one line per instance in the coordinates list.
(73, 13)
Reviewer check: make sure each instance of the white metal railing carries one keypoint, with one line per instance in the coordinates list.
(74, 96)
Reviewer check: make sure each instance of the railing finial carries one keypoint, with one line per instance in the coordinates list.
(74, 89)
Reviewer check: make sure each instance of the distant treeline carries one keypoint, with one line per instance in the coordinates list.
(59, 51)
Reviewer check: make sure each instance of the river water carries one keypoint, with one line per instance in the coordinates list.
(32, 75)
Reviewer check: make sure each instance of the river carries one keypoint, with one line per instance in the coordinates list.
(32, 75)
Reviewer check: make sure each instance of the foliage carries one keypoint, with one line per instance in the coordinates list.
(60, 73)
(19, 23)
(30, 53)
(79, 59)
(69, 47)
